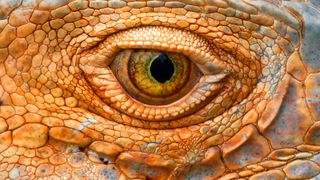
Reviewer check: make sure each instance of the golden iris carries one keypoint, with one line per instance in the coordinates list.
(158, 74)
(155, 77)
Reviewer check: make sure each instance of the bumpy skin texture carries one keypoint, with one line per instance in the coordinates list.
(54, 123)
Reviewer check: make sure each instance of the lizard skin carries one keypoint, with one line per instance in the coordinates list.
(54, 125)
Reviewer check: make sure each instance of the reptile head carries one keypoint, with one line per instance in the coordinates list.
(159, 89)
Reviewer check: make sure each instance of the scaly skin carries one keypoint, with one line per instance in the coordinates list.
(57, 122)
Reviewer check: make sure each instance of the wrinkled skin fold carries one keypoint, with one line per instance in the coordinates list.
(255, 112)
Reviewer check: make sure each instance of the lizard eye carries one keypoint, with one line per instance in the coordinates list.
(153, 74)
(154, 77)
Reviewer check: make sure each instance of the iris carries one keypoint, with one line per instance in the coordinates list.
(158, 74)
(155, 77)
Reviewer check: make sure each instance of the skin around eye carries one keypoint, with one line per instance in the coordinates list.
(125, 95)
(145, 80)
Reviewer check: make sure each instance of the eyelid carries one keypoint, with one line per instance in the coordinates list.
(193, 46)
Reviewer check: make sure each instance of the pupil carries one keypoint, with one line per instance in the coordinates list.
(162, 68)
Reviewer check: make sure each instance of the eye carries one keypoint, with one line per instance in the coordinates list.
(161, 73)
(154, 77)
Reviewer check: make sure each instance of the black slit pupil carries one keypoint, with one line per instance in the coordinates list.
(162, 68)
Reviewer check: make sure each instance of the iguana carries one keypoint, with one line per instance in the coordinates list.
(189, 89)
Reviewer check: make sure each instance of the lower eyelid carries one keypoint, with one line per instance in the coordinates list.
(208, 86)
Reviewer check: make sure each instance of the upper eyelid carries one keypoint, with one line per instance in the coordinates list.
(195, 47)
